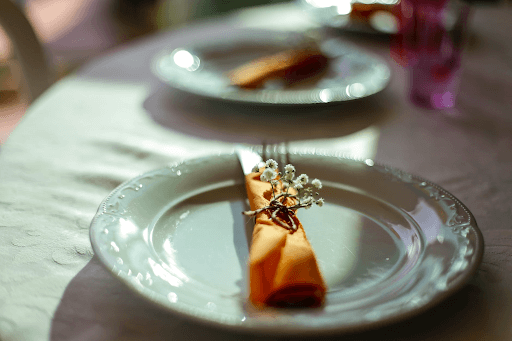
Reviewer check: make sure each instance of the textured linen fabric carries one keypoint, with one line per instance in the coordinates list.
(54, 173)
(113, 120)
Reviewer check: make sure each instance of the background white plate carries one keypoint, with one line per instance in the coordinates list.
(389, 244)
(327, 13)
(200, 68)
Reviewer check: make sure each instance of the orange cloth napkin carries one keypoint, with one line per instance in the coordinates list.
(283, 270)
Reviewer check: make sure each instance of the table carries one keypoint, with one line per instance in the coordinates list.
(113, 120)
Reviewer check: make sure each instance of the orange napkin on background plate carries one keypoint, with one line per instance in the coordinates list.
(283, 270)
(291, 66)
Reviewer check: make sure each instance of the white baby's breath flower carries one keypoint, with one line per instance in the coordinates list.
(289, 168)
(317, 183)
(297, 185)
(303, 197)
(257, 166)
(307, 200)
(268, 174)
(303, 179)
(288, 175)
(272, 164)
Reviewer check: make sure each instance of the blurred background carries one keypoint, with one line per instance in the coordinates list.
(73, 31)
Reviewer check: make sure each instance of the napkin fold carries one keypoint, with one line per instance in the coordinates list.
(283, 271)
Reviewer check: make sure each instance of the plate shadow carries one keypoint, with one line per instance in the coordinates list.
(246, 123)
(96, 306)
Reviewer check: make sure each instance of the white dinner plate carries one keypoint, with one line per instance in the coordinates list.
(378, 17)
(389, 244)
(201, 66)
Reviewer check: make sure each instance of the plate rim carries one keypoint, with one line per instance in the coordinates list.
(269, 329)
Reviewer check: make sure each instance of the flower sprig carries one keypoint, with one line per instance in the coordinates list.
(286, 185)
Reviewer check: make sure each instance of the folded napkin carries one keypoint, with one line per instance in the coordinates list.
(282, 265)
(290, 66)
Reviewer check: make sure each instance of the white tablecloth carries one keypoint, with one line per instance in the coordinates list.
(113, 120)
